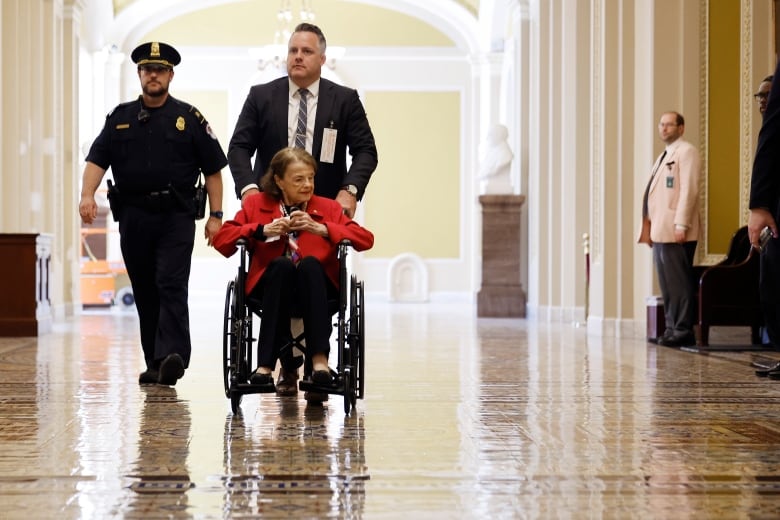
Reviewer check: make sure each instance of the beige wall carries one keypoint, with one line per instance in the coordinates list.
(413, 201)
(252, 23)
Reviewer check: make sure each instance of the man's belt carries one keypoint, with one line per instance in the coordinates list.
(168, 199)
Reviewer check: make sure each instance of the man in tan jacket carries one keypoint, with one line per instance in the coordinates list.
(670, 225)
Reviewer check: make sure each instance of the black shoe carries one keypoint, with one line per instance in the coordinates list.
(678, 341)
(764, 372)
(148, 377)
(171, 370)
(322, 378)
(262, 379)
(663, 337)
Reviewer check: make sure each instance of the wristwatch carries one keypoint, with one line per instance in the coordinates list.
(352, 189)
(217, 214)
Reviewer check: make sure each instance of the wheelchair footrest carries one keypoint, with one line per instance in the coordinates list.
(249, 388)
(307, 385)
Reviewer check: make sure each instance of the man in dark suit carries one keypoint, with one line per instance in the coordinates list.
(765, 211)
(307, 111)
(336, 121)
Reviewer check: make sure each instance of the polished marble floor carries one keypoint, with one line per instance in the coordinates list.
(462, 418)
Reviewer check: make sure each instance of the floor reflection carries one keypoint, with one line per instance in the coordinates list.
(462, 418)
(160, 477)
(286, 457)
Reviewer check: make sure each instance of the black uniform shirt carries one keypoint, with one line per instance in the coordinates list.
(149, 149)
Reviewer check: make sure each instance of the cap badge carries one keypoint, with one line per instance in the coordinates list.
(155, 50)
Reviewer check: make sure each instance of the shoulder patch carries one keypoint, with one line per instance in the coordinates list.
(120, 105)
(194, 111)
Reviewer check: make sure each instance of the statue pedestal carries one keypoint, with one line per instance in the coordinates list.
(501, 295)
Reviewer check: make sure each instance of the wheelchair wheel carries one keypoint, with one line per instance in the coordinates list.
(237, 332)
(228, 337)
(357, 336)
(353, 355)
(361, 347)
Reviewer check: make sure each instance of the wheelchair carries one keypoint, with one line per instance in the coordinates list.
(238, 341)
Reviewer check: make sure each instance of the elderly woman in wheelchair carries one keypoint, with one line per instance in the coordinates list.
(292, 236)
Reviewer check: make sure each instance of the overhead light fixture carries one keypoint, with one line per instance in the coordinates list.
(274, 55)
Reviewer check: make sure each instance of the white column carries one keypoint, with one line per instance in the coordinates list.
(12, 132)
(557, 152)
(68, 143)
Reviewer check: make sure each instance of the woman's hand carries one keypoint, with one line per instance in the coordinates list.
(302, 221)
(278, 227)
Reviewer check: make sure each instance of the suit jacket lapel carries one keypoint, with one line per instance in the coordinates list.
(280, 104)
(656, 173)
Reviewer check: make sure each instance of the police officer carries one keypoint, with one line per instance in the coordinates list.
(157, 146)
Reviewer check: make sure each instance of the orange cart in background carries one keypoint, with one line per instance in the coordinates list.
(103, 282)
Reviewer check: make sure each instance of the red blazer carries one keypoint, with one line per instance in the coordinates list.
(263, 209)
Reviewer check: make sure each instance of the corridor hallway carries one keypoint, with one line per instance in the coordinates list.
(463, 418)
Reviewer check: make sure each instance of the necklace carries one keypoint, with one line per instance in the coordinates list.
(288, 210)
(292, 236)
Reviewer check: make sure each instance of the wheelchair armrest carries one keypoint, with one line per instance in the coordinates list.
(343, 249)
(242, 244)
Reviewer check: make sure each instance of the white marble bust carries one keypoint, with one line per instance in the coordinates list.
(494, 171)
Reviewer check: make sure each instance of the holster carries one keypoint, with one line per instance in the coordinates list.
(114, 200)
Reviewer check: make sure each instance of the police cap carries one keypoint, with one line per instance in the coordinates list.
(156, 53)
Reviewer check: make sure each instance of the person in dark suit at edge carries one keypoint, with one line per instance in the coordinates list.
(762, 95)
(762, 98)
(334, 121)
(764, 207)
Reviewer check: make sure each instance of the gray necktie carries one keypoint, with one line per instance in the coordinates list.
(300, 130)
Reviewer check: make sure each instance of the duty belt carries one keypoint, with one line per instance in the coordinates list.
(161, 201)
